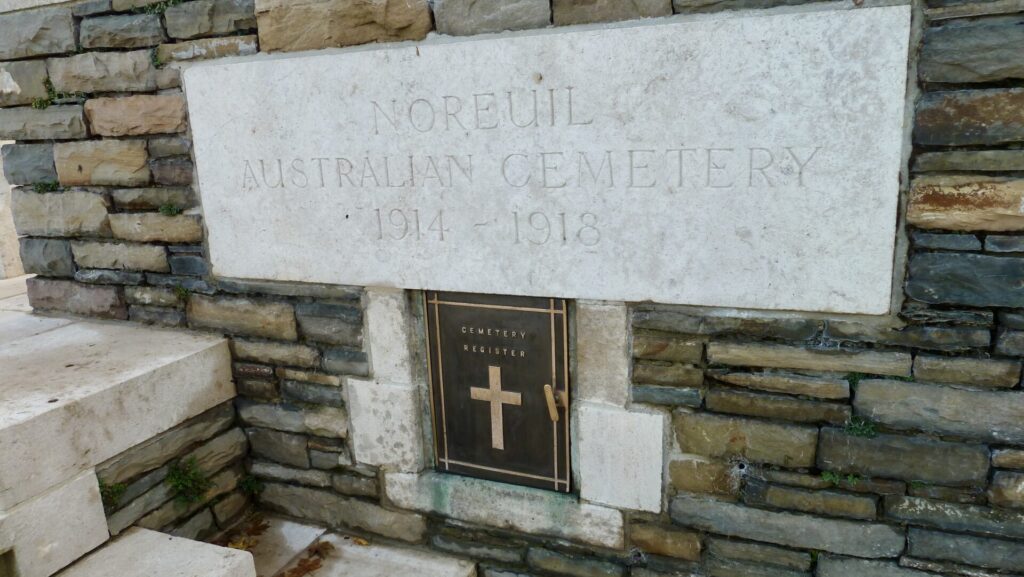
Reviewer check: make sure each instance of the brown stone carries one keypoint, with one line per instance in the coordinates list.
(775, 407)
(290, 25)
(970, 117)
(174, 171)
(734, 437)
(36, 33)
(995, 373)
(820, 387)
(1008, 458)
(657, 347)
(589, 11)
(243, 316)
(667, 541)
(51, 123)
(694, 474)
(79, 299)
(1007, 490)
(68, 213)
(819, 502)
(759, 553)
(787, 357)
(135, 115)
(121, 256)
(970, 495)
(152, 198)
(966, 203)
(277, 353)
(155, 227)
(22, 82)
(102, 162)
(207, 48)
(654, 373)
(103, 72)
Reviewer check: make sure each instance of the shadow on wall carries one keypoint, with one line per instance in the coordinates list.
(10, 261)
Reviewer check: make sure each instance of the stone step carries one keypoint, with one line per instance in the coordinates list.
(347, 557)
(145, 553)
(77, 393)
(278, 542)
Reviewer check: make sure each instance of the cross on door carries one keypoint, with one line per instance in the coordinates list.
(497, 398)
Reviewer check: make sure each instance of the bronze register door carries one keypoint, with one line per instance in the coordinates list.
(499, 386)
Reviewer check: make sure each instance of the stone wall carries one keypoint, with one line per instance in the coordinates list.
(10, 261)
(840, 446)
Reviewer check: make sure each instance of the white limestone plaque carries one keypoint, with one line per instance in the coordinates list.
(747, 162)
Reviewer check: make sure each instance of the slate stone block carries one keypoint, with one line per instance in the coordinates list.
(47, 257)
(966, 279)
(122, 31)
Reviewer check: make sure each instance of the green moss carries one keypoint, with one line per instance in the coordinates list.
(860, 427)
(111, 495)
(158, 8)
(46, 186)
(52, 96)
(250, 485)
(169, 209)
(188, 483)
(182, 293)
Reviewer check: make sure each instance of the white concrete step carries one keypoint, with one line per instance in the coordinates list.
(13, 294)
(144, 553)
(350, 557)
(276, 542)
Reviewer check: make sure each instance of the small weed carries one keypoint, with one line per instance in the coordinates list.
(852, 480)
(917, 485)
(907, 379)
(158, 8)
(48, 186)
(154, 57)
(250, 485)
(188, 482)
(814, 556)
(854, 378)
(861, 427)
(170, 209)
(831, 477)
(182, 293)
(52, 95)
(111, 495)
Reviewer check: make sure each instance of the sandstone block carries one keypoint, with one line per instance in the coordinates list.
(970, 495)
(75, 298)
(602, 359)
(102, 162)
(69, 213)
(155, 227)
(22, 82)
(661, 347)
(164, 146)
(668, 541)
(135, 115)
(1008, 458)
(466, 17)
(589, 11)
(981, 52)
(385, 424)
(734, 437)
(36, 33)
(120, 256)
(966, 203)
(47, 257)
(819, 387)
(967, 549)
(52, 123)
(994, 416)
(289, 25)
(908, 458)
(151, 296)
(103, 72)
(1007, 490)
(551, 562)
(694, 474)
(277, 353)
(210, 18)
(336, 511)
(965, 371)
(778, 356)
(28, 163)
(955, 516)
(243, 316)
(122, 31)
(804, 531)
(759, 554)
(207, 48)
(775, 407)
(152, 198)
(678, 322)
(832, 503)
(970, 117)
(966, 279)
(669, 374)
(281, 447)
(308, 377)
(331, 323)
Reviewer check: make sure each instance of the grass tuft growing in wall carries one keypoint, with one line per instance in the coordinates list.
(188, 482)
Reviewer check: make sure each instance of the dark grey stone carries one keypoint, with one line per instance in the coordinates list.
(346, 362)
(966, 279)
(188, 264)
(348, 484)
(662, 319)
(829, 566)
(171, 171)
(465, 17)
(253, 370)
(36, 33)
(571, 566)
(970, 160)
(981, 51)
(918, 313)
(152, 198)
(193, 249)
(47, 257)
(955, 516)
(107, 276)
(164, 316)
(280, 447)
(312, 393)
(28, 163)
(918, 336)
(210, 18)
(962, 118)
(90, 8)
(122, 31)
(1011, 320)
(1002, 243)
(702, 6)
(759, 553)
(662, 395)
(478, 550)
(331, 331)
(731, 568)
(164, 146)
(256, 388)
(1010, 343)
(935, 241)
(977, 551)
(191, 284)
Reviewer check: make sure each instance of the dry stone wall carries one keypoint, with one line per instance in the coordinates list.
(800, 445)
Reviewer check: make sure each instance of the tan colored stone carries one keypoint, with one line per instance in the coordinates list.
(590, 11)
(102, 162)
(207, 48)
(965, 371)
(668, 541)
(68, 213)
(75, 298)
(243, 316)
(1008, 458)
(103, 72)
(820, 387)
(668, 348)
(291, 25)
(22, 82)
(151, 296)
(118, 255)
(787, 357)
(966, 203)
(155, 227)
(734, 437)
(152, 198)
(135, 115)
(821, 502)
(51, 123)
(775, 407)
(759, 553)
(662, 373)
(277, 353)
(306, 376)
(694, 474)
(1007, 490)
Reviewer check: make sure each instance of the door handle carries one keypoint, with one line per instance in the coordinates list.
(549, 395)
